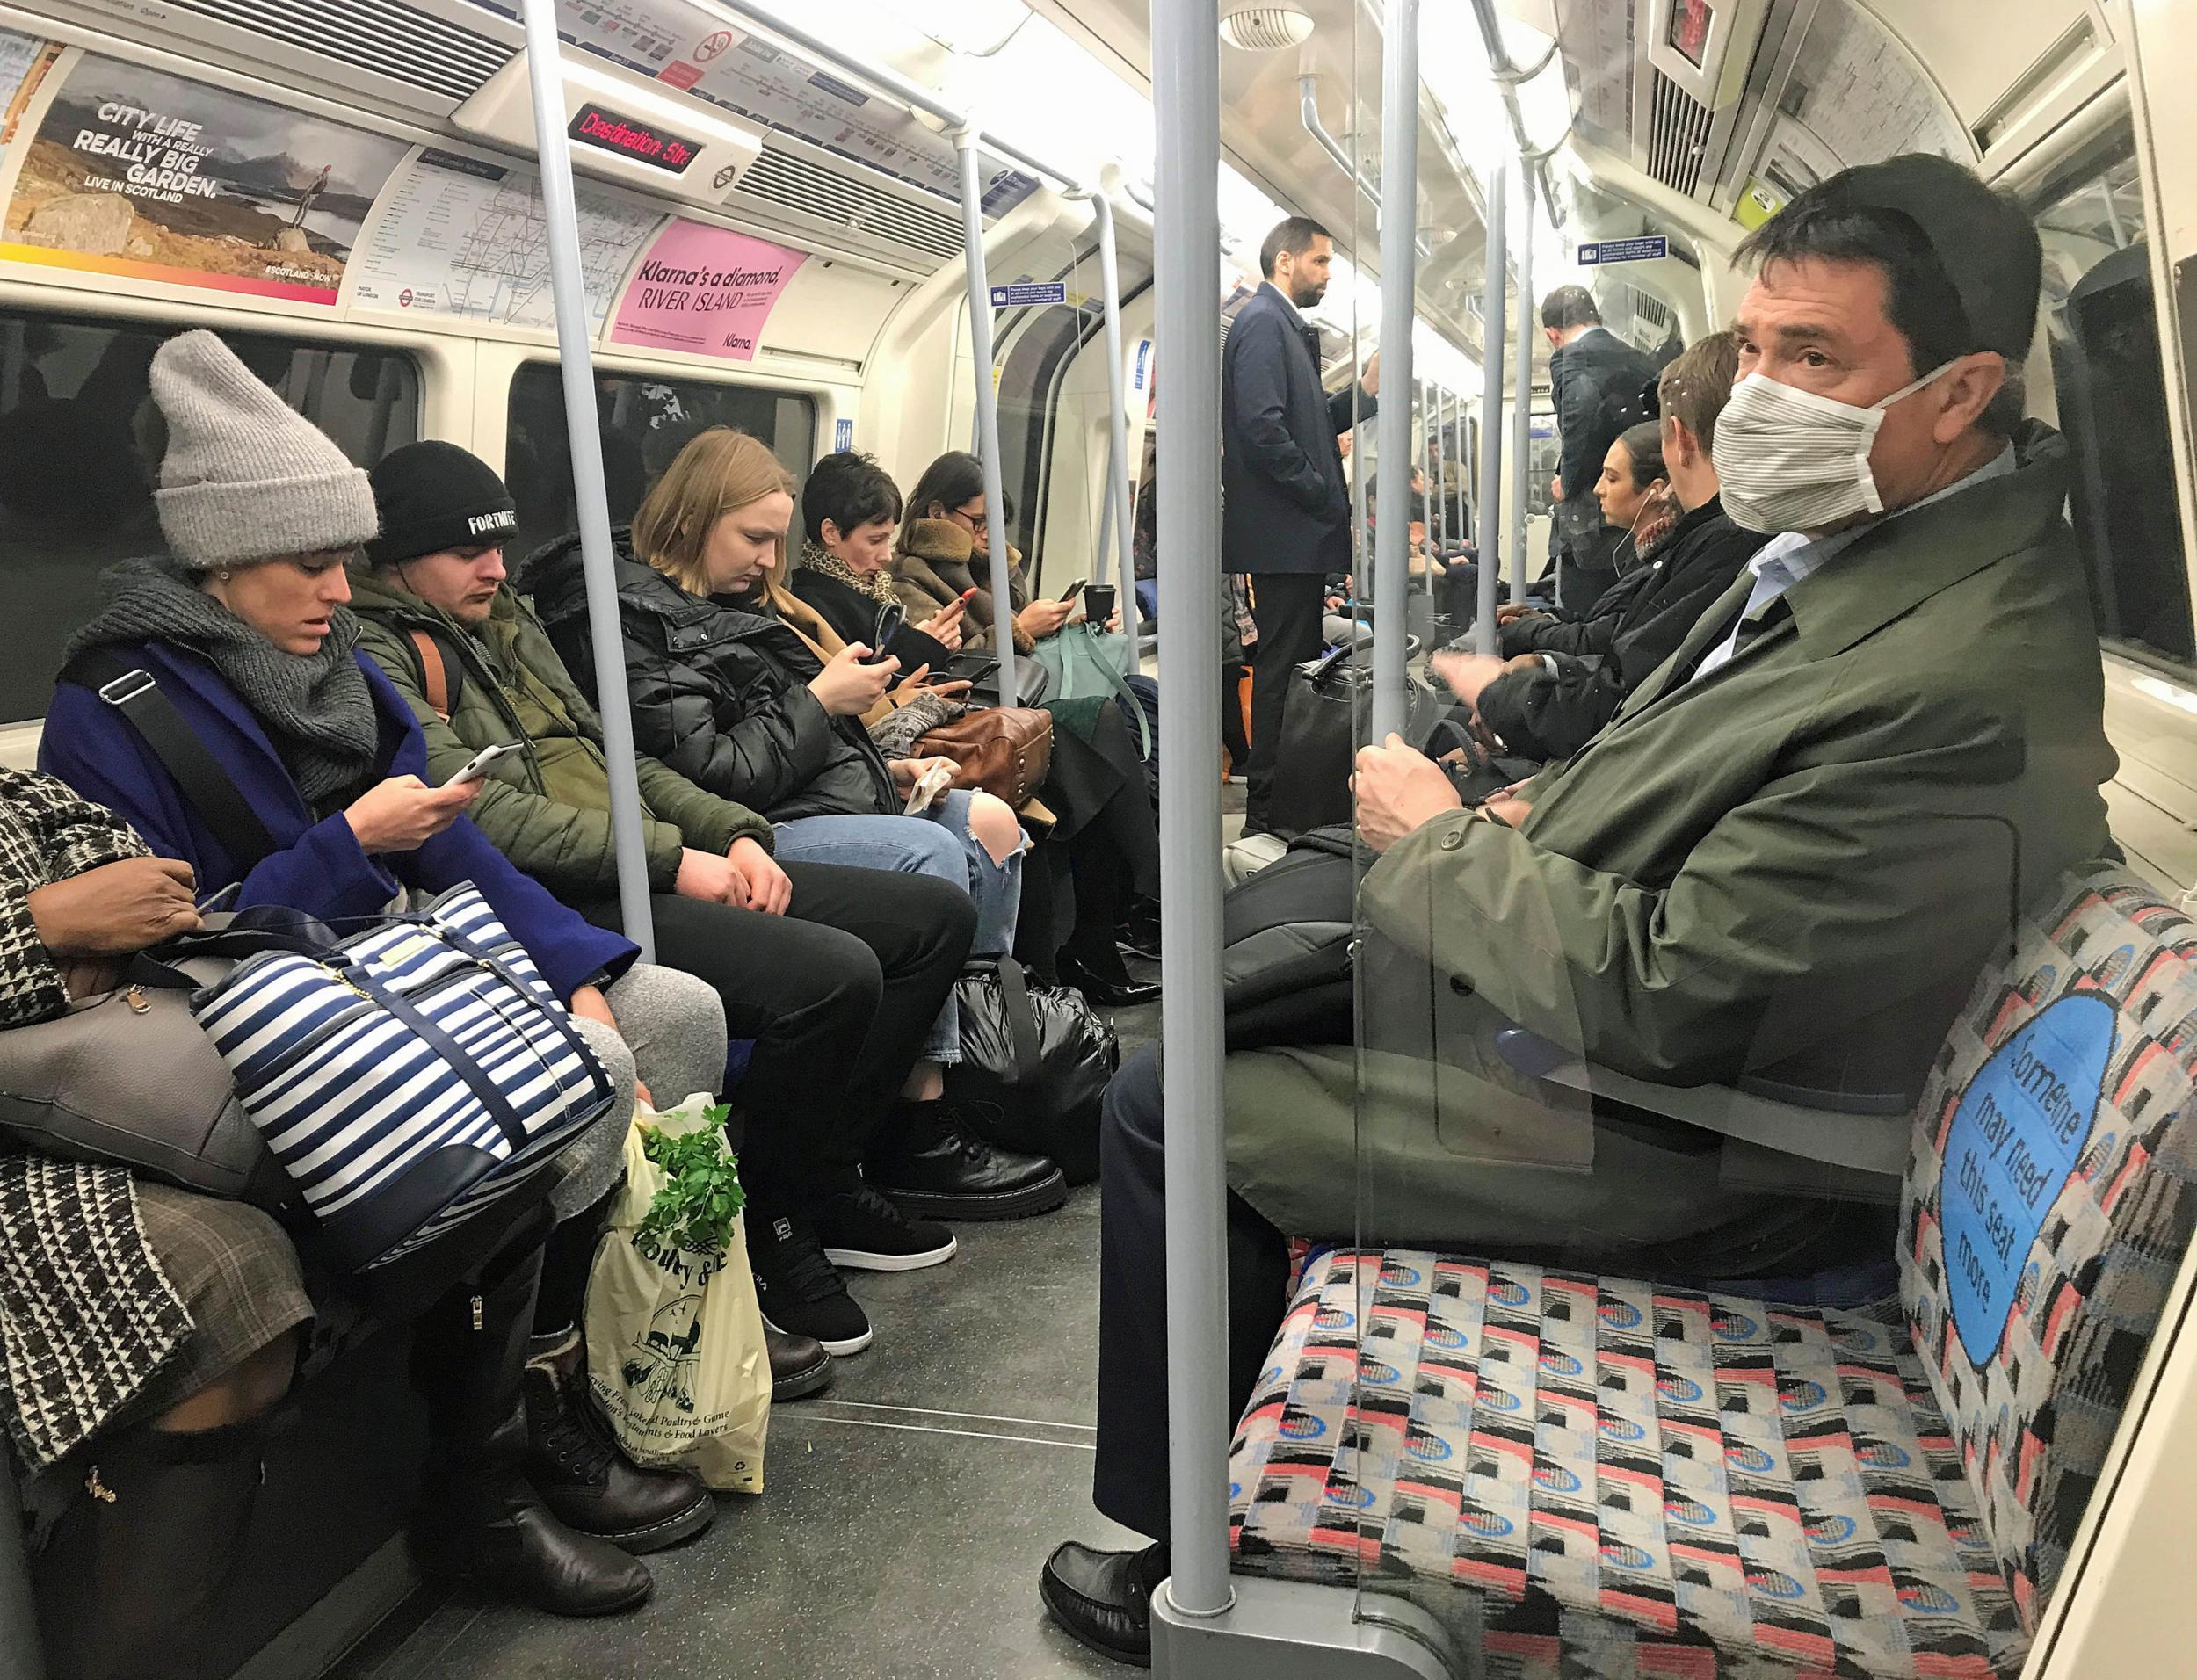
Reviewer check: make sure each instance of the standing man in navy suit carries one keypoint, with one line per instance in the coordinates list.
(1286, 508)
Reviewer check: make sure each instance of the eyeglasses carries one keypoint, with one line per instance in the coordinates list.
(974, 521)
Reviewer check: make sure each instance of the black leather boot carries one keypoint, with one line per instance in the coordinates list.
(939, 1169)
(576, 1464)
(140, 1567)
(799, 1366)
(480, 1519)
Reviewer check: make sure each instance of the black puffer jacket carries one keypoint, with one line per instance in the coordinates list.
(1548, 714)
(720, 691)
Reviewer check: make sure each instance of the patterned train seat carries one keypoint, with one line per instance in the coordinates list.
(1607, 1479)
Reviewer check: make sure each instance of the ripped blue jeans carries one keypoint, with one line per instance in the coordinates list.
(938, 843)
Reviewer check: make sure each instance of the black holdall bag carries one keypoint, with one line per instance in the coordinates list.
(1320, 719)
(1289, 937)
(1035, 1062)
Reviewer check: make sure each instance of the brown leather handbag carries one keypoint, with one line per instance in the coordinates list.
(1006, 750)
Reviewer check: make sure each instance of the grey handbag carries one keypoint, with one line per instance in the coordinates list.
(128, 1078)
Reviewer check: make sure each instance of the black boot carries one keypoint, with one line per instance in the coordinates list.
(939, 1169)
(799, 1366)
(139, 1570)
(481, 1520)
(574, 1462)
(1105, 1598)
(1105, 980)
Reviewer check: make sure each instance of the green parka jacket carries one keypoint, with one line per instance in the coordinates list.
(1800, 861)
(548, 809)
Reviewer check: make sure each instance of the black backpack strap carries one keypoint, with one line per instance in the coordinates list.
(1022, 1023)
(210, 789)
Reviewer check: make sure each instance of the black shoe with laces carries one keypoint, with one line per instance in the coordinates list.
(942, 1170)
(802, 1293)
(863, 1231)
(576, 1465)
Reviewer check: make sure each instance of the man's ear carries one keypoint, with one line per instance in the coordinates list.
(1968, 390)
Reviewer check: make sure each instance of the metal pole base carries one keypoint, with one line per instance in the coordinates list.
(1289, 1630)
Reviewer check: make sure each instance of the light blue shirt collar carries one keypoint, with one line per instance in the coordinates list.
(1788, 558)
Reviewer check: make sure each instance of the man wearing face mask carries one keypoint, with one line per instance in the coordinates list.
(1284, 514)
(1787, 855)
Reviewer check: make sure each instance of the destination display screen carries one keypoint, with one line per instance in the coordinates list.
(1690, 21)
(644, 142)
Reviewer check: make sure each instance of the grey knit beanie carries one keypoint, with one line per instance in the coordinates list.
(246, 477)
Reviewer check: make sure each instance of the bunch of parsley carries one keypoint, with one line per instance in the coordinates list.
(701, 1195)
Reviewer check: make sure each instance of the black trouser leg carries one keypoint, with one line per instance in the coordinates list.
(1129, 1476)
(837, 995)
(567, 1258)
(1287, 609)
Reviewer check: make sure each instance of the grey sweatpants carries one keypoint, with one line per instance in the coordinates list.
(671, 1036)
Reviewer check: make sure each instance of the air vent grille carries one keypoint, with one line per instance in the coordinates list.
(1677, 136)
(385, 37)
(796, 183)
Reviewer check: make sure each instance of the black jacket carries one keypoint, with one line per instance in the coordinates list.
(1286, 505)
(1597, 381)
(1540, 714)
(854, 616)
(720, 691)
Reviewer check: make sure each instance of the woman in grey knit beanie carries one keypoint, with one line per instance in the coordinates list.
(243, 627)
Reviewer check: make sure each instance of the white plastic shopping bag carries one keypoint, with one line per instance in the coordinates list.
(675, 1347)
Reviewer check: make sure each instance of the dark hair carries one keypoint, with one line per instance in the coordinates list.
(1920, 300)
(1290, 238)
(1694, 387)
(955, 477)
(1568, 307)
(1643, 443)
(849, 489)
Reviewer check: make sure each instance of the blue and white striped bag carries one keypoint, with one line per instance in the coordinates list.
(405, 1077)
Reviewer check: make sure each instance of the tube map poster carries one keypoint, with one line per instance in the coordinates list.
(140, 174)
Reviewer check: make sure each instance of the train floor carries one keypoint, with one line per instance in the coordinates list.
(907, 1508)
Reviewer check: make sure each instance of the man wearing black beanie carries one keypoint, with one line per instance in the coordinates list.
(793, 951)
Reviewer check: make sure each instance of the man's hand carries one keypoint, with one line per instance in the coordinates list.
(769, 888)
(1556, 488)
(1398, 790)
(712, 880)
(115, 910)
(1468, 675)
(1511, 611)
(1371, 378)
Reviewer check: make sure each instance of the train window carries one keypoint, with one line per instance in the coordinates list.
(80, 448)
(646, 422)
(2110, 390)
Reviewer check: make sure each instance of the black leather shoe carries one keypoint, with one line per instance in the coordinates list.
(1104, 1599)
(1105, 992)
(942, 1170)
(576, 1465)
(799, 1366)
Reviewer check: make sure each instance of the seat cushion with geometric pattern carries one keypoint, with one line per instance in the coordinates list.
(1630, 1478)
(1599, 1476)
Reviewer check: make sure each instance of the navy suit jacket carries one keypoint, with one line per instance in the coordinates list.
(1287, 503)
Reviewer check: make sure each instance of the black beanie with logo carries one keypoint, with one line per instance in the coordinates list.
(434, 496)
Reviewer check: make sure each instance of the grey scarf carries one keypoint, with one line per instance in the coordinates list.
(878, 586)
(316, 707)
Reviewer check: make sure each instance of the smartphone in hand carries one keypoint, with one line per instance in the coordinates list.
(478, 765)
(1074, 590)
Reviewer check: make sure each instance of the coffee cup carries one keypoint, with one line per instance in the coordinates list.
(1098, 602)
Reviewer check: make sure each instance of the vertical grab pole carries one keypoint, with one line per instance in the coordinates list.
(1118, 434)
(544, 71)
(1186, 241)
(1522, 387)
(1491, 409)
(987, 414)
(1399, 313)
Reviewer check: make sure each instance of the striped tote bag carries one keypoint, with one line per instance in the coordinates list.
(405, 1077)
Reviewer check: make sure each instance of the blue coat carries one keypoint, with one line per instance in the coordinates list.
(321, 869)
(1286, 505)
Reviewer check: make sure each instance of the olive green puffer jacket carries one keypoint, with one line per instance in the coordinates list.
(548, 809)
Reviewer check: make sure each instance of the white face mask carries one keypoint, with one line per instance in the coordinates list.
(1788, 459)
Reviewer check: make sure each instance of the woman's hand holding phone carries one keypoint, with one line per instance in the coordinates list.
(849, 685)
